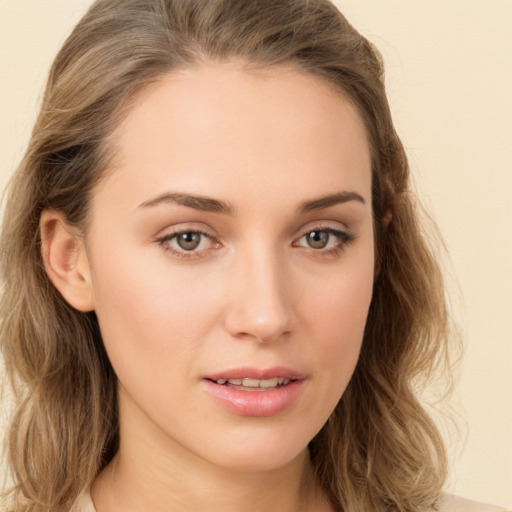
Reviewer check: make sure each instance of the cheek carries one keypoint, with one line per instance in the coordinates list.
(334, 318)
(337, 301)
(148, 314)
(342, 323)
(337, 317)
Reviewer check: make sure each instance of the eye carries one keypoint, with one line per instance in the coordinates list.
(325, 239)
(318, 239)
(187, 243)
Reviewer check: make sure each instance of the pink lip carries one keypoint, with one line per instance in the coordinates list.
(256, 403)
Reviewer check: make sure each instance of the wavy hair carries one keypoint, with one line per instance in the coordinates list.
(379, 450)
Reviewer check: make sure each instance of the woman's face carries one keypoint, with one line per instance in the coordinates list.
(231, 259)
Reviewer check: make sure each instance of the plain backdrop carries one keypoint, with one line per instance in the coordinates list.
(449, 80)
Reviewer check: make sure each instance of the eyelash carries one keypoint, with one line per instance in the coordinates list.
(345, 238)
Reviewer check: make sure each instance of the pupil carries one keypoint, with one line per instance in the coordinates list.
(189, 241)
(318, 239)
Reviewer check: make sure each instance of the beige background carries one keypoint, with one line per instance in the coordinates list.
(449, 76)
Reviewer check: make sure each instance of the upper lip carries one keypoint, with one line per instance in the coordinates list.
(257, 373)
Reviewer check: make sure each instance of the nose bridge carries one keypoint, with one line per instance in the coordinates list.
(260, 307)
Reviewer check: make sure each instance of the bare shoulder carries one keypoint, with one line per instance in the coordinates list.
(451, 503)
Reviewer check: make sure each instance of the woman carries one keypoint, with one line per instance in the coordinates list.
(217, 295)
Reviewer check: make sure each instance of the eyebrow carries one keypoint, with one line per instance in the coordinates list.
(208, 204)
(205, 204)
(330, 200)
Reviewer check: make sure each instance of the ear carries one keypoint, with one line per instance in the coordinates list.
(65, 260)
(386, 219)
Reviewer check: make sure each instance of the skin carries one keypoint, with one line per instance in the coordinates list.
(256, 292)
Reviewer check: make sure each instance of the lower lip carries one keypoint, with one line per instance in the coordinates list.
(255, 403)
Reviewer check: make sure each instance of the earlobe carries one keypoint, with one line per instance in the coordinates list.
(65, 260)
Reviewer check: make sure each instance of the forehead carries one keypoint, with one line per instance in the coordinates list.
(209, 126)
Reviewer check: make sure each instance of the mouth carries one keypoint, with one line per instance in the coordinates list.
(254, 385)
(254, 392)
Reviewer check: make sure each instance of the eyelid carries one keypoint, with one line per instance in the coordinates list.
(185, 227)
(324, 225)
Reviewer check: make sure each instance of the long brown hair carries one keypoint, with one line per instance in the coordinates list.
(379, 450)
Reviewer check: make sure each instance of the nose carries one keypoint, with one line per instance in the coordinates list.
(260, 305)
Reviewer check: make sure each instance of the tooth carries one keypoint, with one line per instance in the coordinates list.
(251, 383)
(255, 383)
(269, 383)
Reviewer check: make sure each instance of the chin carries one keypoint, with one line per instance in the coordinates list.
(257, 453)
